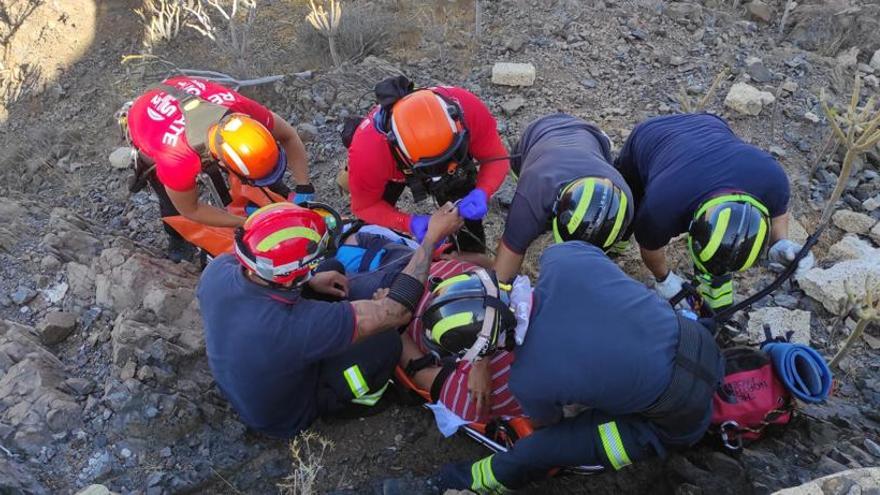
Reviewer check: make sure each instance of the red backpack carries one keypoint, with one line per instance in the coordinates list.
(750, 398)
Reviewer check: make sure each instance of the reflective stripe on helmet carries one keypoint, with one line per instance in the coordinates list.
(756, 247)
(451, 280)
(618, 221)
(450, 322)
(282, 235)
(242, 168)
(745, 198)
(717, 235)
(589, 185)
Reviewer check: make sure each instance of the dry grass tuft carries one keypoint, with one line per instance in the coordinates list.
(307, 452)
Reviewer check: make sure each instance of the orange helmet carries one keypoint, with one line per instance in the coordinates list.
(428, 133)
(247, 149)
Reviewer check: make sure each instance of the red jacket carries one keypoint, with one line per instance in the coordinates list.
(371, 165)
(157, 126)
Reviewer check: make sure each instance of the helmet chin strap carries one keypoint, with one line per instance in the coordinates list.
(482, 343)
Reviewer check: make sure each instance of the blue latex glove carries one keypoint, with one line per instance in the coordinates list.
(473, 206)
(302, 194)
(418, 226)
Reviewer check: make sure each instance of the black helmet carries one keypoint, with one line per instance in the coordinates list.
(591, 209)
(467, 317)
(728, 233)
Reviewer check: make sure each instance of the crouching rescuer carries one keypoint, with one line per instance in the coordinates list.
(280, 355)
(644, 374)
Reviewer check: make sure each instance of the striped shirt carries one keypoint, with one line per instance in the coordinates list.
(454, 394)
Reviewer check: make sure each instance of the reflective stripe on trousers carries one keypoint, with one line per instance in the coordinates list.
(360, 389)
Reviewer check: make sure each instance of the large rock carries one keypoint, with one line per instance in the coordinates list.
(781, 321)
(56, 326)
(513, 74)
(154, 344)
(68, 235)
(829, 286)
(852, 481)
(31, 396)
(747, 99)
(852, 221)
(131, 279)
(81, 279)
(851, 247)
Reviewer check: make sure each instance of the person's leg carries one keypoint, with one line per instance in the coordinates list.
(717, 292)
(177, 245)
(354, 380)
(591, 438)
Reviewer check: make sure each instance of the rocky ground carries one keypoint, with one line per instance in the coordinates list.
(103, 377)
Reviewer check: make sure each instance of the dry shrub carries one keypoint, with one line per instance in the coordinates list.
(162, 20)
(364, 29)
(307, 452)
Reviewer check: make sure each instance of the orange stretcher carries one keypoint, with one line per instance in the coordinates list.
(218, 240)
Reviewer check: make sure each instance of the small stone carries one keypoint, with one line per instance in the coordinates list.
(872, 81)
(95, 490)
(121, 158)
(589, 83)
(871, 204)
(513, 74)
(777, 151)
(781, 321)
(785, 300)
(128, 371)
(56, 326)
(307, 132)
(165, 453)
(512, 105)
(747, 99)
(789, 86)
(812, 117)
(853, 222)
(875, 233)
(49, 263)
(759, 72)
(865, 68)
(759, 11)
(875, 60)
(22, 295)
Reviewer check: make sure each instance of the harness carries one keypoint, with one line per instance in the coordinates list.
(698, 370)
(200, 115)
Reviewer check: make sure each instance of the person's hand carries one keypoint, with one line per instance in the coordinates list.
(303, 193)
(444, 222)
(480, 386)
(418, 226)
(380, 293)
(331, 283)
(669, 287)
(783, 252)
(474, 206)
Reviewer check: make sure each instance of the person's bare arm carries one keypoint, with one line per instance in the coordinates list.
(655, 260)
(188, 204)
(507, 263)
(297, 159)
(385, 313)
(778, 228)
